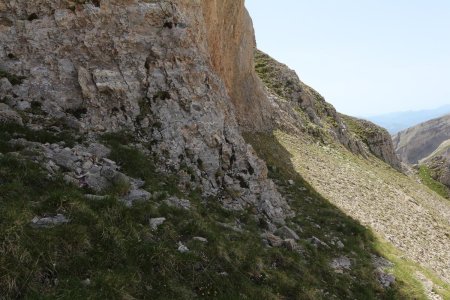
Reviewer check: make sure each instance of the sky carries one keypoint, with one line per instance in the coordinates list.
(366, 57)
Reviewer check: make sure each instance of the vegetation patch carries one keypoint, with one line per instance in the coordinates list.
(10, 131)
(426, 177)
(13, 79)
(318, 217)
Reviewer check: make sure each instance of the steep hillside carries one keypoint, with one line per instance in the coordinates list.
(299, 108)
(436, 167)
(401, 210)
(416, 143)
(125, 174)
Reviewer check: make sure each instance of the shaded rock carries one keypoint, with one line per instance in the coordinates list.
(156, 222)
(178, 203)
(272, 240)
(385, 279)
(287, 233)
(65, 158)
(47, 222)
(182, 248)
(7, 115)
(137, 195)
(100, 151)
(86, 282)
(291, 244)
(340, 245)
(340, 264)
(96, 182)
(200, 239)
(95, 197)
(316, 242)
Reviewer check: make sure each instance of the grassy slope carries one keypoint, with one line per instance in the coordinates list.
(378, 196)
(113, 246)
(373, 193)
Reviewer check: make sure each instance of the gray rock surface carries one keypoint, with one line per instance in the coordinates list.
(182, 248)
(287, 233)
(48, 222)
(8, 115)
(341, 264)
(93, 70)
(156, 222)
(178, 203)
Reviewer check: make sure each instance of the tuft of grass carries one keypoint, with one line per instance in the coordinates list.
(10, 131)
(13, 79)
(427, 179)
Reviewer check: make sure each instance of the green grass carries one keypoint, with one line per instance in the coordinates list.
(436, 186)
(359, 241)
(114, 247)
(9, 131)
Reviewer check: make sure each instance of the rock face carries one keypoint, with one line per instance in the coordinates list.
(377, 139)
(165, 70)
(418, 142)
(229, 25)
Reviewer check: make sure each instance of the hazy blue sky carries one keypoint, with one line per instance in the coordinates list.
(364, 56)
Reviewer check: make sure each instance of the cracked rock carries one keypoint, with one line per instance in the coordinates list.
(156, 222)
(47, 222)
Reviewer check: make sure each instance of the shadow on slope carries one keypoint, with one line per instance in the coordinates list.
(318, 217)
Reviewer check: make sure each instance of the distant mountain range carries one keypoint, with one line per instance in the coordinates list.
(420, 141)
(398, 121)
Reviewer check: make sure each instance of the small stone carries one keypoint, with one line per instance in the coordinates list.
(340, 245)
(274, 241)
(200, 239)
(385, 279)
(48, 222)
(291, 244)
(87, 165)
(179, 203)
(156, 222)
(98, 150)
(7, 115)
(70, 180)
(23, 105)
(340, 264)
(182, 248)
(291, 182)
(137, 195)
(287, 233)
(86, 282)
(317, 242)
(109, 162)
(95, 197)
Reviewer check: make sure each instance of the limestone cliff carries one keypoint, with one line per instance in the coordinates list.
(163, 69)
(231, 42)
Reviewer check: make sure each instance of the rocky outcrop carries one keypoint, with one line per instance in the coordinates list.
(418, 142)
(154, 68)
(377, 139)
(298, 106)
